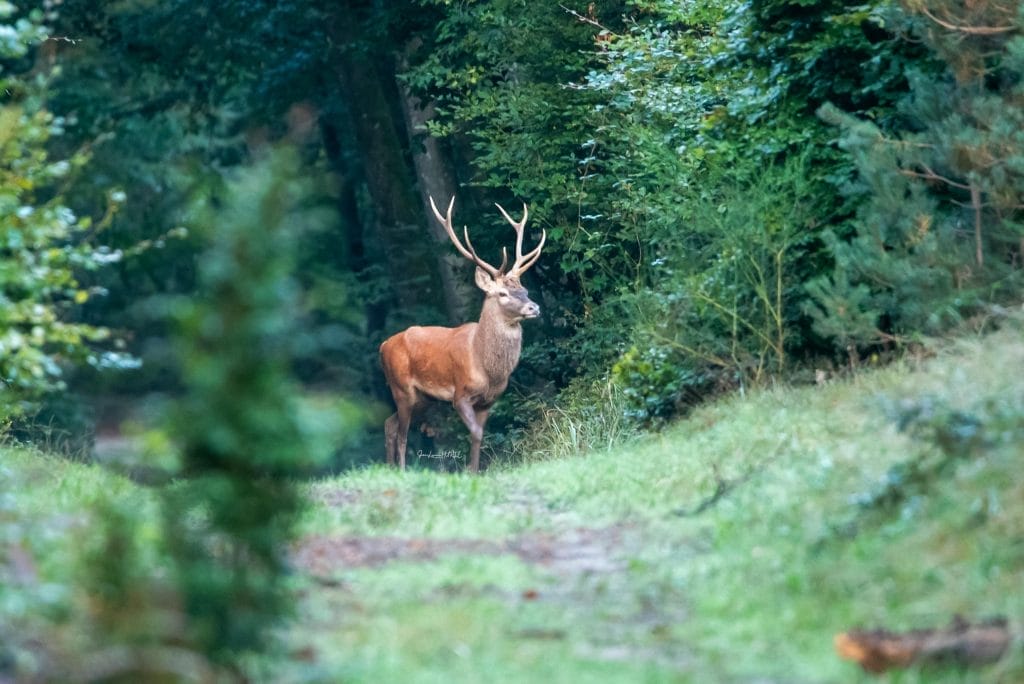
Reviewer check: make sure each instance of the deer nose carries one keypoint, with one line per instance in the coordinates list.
(532, 310)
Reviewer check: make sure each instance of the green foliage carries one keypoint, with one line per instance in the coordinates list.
(802, 54)
(671, 150)
(653, 382)
(505, 78)
(951, 436)
(189, 598)
(80, 572)
(702, 179)
(162, 115)
(939, 229)
(499, 74)
(723, 308)
(244, 434)
(43, 244)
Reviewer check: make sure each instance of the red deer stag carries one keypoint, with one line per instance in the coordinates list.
(468, 365)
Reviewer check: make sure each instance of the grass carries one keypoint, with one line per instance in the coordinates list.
(730, 547)
(51, 519)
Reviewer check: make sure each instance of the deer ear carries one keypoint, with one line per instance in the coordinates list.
(484, 280)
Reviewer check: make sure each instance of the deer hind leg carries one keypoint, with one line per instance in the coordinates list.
(391, 438)
(396, 428)
(404, 416)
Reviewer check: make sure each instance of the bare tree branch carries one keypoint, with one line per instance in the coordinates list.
(588, 20)
(969, 30)
(929, 174)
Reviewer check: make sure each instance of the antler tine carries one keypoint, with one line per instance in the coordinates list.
(444, 221)
(504, 259)
(522, 263)
(530, 258)
(470, 254)
(518, 226)
(495, 272)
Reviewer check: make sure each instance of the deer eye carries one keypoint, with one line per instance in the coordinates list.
(503, 294)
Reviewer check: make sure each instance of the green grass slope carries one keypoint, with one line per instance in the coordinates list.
(731, 547)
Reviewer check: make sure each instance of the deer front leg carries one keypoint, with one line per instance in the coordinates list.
(404, 417)
(396, 428)
(476, 430)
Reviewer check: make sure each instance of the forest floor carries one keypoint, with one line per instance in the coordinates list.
(730, 547)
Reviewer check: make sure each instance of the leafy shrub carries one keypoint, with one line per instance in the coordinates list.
(655, 382)
(43, 244)
(723, 307)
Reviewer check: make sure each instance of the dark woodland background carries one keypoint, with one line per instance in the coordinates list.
(733, 192)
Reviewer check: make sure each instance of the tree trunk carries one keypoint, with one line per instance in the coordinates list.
(358, 257)
(397, 217)
(433, 171)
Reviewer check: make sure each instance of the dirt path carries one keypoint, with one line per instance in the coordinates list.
(566, 553)
(588, 570)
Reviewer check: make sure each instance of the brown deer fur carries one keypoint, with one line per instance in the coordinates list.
(469, 365)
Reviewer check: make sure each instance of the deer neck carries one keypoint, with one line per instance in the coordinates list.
(497, 343)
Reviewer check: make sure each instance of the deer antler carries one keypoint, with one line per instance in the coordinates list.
(470, 253)
(522, 263)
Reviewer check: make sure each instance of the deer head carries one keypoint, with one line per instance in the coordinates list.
(500, 285)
